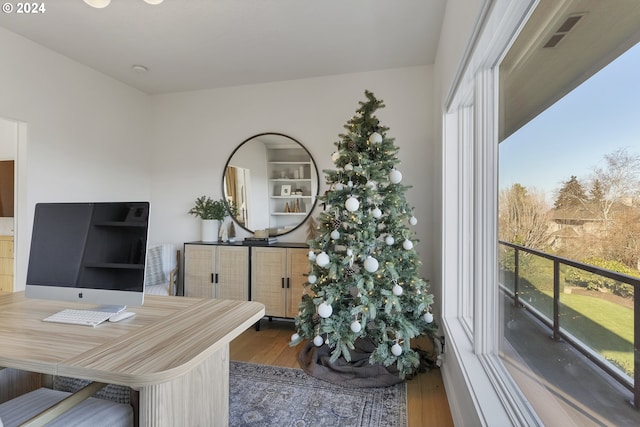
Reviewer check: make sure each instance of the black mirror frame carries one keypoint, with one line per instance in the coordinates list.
(315, 198)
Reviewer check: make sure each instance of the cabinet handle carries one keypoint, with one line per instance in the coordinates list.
(283, 283)
(288, 279)
(216, 278)
(212, 280)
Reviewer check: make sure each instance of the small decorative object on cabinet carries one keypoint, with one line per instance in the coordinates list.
(232, 232)
(277, 278)
(216, 271)
(211, 213)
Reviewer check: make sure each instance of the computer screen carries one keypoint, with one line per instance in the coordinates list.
(89, 252)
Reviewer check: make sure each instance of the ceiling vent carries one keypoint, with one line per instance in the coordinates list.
(563, 30)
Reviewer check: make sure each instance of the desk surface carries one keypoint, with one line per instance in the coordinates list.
(167, 338)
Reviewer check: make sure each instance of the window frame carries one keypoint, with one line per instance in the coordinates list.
(479, 388)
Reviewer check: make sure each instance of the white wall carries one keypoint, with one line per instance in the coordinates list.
(87, 134)
(461, 17)
(8, 138)
(195, 132)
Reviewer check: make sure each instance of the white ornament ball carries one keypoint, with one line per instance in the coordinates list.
(348, 167)
(312, 256)
(339, 186)
(371, 184)
(356, 326)
(352, 204)
(312, 278)
(413, 220)
(325, 310)
(375, 138)
(397, 290)
(389, 240)
(295, 337)
(396, 349)
(407, 244)
(335, 234)
(318, 341)
(335, 156)
(395, 176)
(376, 212)
(322, 259)
(371, 264)
(350, 183)
(428, 317)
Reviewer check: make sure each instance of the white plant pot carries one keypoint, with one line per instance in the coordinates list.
(210, 229)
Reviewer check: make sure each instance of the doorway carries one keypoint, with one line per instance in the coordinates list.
(8, 192)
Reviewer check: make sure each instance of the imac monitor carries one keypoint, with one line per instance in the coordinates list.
(89, 252)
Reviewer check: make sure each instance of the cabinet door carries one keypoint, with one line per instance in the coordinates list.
(198, 271)
(297, 268)
(6, 264)
(232, 270)
(268, 274)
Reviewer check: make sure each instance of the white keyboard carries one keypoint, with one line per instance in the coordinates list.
(79, 317)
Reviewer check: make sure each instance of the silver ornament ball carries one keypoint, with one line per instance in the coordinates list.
(371, 264)
(356, 326)
(325, 310)
(322, 259)
(396, 349)
(395, 176)
(375, 138)
(352, 204)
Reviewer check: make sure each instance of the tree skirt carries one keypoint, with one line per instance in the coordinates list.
(357, 373)
(261, 395)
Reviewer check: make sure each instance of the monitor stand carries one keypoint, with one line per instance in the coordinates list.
(110, 308)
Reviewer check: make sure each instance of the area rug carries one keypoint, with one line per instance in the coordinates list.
(261, 395)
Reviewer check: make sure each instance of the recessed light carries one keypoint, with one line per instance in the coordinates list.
(140, 69)
(98, 4)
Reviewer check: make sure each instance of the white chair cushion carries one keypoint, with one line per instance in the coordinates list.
(112, 392)
(154, 274)
(91, 412)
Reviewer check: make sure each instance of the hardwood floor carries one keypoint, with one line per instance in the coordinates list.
(426, 398)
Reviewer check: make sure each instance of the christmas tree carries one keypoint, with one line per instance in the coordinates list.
(364, 282)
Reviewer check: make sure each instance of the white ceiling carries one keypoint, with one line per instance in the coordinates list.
(200, 44)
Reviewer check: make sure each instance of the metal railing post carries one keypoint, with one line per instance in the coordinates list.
(516, 277)
(636, 349)
(556, 300)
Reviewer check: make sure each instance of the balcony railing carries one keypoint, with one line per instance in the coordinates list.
(553, 317)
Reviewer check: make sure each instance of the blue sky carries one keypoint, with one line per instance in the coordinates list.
(573, 135)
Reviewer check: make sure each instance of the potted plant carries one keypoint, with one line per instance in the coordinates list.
(211, 212)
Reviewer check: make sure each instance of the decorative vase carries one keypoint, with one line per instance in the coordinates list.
(210, 230)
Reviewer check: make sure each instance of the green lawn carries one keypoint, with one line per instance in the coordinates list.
(604, 326)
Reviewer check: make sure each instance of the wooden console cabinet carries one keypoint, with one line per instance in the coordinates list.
(216, 271)
(277, 278)
(273, 275)
(6, 264)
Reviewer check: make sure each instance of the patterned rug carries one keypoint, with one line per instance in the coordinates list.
(261, 395)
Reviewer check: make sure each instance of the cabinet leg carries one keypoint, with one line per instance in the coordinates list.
(257, 326)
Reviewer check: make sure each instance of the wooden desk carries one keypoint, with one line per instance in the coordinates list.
(175, 351)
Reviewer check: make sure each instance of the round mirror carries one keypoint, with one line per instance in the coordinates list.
(270, 183)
